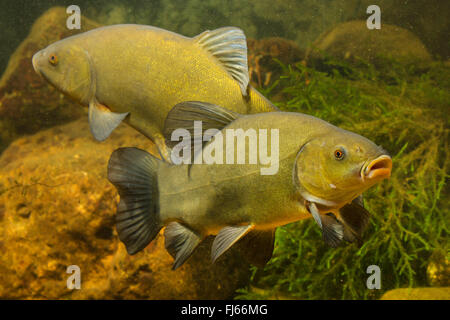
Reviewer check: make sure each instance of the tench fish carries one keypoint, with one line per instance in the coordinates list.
(138, 73)
(322, 171)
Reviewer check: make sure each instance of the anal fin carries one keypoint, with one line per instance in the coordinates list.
(102, 121)
(226, 238)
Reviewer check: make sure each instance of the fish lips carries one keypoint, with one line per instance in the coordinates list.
(377, 169)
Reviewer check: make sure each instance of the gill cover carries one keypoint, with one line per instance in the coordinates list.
(308, 175)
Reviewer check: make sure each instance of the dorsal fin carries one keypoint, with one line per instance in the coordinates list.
(184, 114)
(229, 46)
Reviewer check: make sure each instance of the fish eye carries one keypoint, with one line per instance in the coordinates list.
(339, 154)
(53, 59)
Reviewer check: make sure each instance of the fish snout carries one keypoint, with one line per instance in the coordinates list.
(379, 169)
(35, 61)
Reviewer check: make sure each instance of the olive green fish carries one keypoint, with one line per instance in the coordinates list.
(138, 73)
(321, 172)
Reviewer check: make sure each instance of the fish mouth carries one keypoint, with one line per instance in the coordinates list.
(377, 169)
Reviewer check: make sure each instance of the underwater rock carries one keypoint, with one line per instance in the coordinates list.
(418, 294)
(353, 41)
(27, 102)
(263, 69)
(438, 270)
(57, 209)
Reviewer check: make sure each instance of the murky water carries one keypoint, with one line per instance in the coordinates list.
(380, 71)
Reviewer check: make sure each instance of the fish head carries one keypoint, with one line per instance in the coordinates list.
(67, 67)
(333, 169)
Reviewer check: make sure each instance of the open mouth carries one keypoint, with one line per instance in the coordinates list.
(380, 168)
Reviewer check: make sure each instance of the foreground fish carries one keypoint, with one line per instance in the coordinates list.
(322, 171)
(138, 73)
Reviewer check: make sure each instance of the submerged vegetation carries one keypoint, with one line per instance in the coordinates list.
(404, 109)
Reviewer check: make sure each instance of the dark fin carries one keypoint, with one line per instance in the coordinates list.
(258, 246)
(102, 121)
(133, 173)
(359, 200)
(355, 217)
(226, 238)
(349, 235)
(229, 46)
(180, 242)
(183, 115)
(332, 231)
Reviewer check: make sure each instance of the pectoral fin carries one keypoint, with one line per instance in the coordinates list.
(332, 230)
(315, 213)
(258, 246)
(229, 46)
(355, 217)
(180, 242)
(226, 238)
(102, 121)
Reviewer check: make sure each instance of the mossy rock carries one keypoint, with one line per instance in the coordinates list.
(353, 41)
(263, 57)
(27, 103)
(57, 209)
(418, 294)
(438, 270)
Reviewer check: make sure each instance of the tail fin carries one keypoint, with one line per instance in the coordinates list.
(133, 173)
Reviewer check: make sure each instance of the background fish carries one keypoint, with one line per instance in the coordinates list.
(138, 73)
(322, 168)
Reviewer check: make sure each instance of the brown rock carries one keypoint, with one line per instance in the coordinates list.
(353, 40)
(438, 270)
(27, 102)
(263, 68)
(57, 209)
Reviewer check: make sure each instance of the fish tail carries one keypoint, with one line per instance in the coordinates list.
(133, 172)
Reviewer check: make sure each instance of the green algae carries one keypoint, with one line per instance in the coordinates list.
(405, 109)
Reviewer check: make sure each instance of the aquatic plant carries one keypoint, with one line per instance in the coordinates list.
(406, 111)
